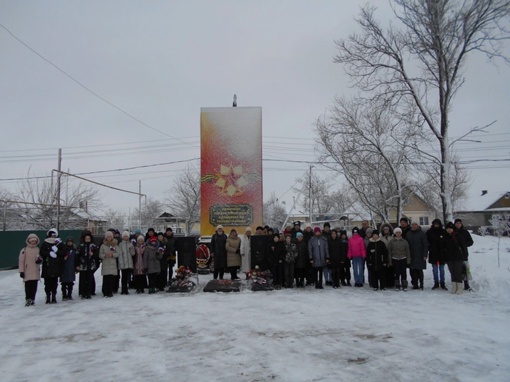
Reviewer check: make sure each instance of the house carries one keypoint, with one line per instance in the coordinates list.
(416, 210)
(167, 220)
(480, 209)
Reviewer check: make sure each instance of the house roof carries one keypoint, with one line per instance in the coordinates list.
(481, 201)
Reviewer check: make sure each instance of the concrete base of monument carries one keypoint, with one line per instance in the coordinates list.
(203, 271)
(223, 286)
(181, 286)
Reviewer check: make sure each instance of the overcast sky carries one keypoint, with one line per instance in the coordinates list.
(159, 62)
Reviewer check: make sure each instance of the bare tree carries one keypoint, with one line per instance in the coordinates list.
(36, 201)
(184, 196)
(115, 219)
(317, 193)
(370, 146)
(274, 212)
(151, 210)
(421, 64)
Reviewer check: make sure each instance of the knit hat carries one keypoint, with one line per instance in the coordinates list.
(404, 220)
(125, 233)
(316, 229)
(342, 232)
(450, 225)
(108, 234)
(247, 229)
(219, 226)
(327, 225)
(140, 238)
(458, 220)
(375, 232)
(397, 230)
(355, 230)
(369, 231)
(299, 234)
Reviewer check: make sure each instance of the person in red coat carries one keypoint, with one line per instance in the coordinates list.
(356, 252)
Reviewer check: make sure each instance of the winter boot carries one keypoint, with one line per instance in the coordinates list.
(454, 287)
(404, 286)
(64, 293)
(466, 286)
(53, 298)
(459, 288)
(28, 302)
(47, 298)
(436, 285)
(70, 292)
(443, 286)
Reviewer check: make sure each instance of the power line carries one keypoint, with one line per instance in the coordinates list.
(85, 87)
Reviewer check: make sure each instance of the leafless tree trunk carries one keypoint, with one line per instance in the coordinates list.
(421, 63)
(115, 219)
(150, 212)
(184, 196)
(274, 212)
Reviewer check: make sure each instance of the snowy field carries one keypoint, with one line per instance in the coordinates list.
(352, 334)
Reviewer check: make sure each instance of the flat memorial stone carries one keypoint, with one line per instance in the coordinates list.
(223, 286)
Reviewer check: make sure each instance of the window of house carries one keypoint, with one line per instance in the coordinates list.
(424, 220)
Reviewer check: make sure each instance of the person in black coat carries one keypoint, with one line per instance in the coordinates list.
(335, 258)
(276, 257)
(455, 254)
(345, 262)
(52, 253)
(169, 254)
(466, 271)
(219, 252)
(87, 260)
(419, 247)
(377, 260)
(435, 238)
(68, 269)
(301, 260)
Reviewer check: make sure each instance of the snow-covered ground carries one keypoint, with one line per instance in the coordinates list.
(351, 334)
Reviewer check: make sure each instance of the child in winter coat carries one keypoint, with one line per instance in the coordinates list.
(345, 263)
(29, 268)
(276, 259)
(108, 253)
(151, 258)
(335, 257)
(400, 256)
(86, 263)
(68, 270)
(52, 254)
(139, 275)
(125, 261)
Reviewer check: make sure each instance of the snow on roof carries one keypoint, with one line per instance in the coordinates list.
(480, 202)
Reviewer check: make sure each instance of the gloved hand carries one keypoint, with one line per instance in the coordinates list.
(22, 275)
(39, 260)
(54, 248)
(53, 255)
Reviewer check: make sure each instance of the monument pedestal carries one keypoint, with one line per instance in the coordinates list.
(181, 286)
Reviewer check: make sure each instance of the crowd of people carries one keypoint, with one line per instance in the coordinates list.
(315, 256)
(295, 257)
(127, 261)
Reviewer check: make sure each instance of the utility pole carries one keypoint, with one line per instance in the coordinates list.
(59, 176)
(140, 204)
(310, 204)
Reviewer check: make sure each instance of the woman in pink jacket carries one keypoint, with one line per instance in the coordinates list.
(356, 251)
(29, 268)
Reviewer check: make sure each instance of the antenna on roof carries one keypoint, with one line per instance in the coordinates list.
(484, 192)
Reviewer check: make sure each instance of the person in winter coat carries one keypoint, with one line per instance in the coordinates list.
(52, 254)
(169, 253)
(435, 239)
(152, 255)
(125, 261)
(301, 260)
(377, 260)
(418, 246)
(357, 253)
(295, 229)
(163, 263)
(87, 258)
(139, 275)
(108, 253)
(29, 267)
(345, 262)
(68, 269)
(466, 270)
(404, 226)
(318, 253)
(233, 247)
(326, 233)
(246, 251)
(400, 257)
(335, 258)
(386, 235)
(456, 253)
(219, 252)
(276, 257)
(307, 235)
(290, 261)
(366, 239)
